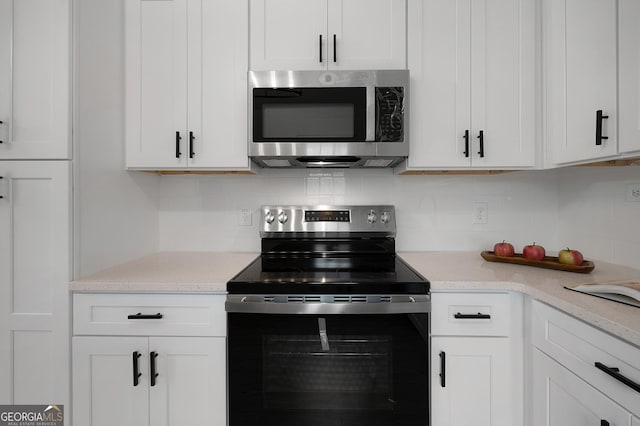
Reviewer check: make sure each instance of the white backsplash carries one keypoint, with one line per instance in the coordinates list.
(434, 212)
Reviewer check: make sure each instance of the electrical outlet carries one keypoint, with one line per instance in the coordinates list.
(480, 213)
(244, 217)
(633, 192)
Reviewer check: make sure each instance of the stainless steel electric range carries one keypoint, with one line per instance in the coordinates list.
(328, 326)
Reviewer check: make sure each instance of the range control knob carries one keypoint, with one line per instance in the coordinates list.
(269, 217)
(372, 217)
(282, 218)
(385, 217)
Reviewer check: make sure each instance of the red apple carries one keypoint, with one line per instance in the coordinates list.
(533, 251)
(570, 257)
(503, 249)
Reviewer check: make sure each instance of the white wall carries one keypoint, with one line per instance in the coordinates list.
(116, 212)
(594, 215)
(434, 212)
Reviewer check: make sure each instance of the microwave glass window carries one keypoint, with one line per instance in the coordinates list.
(295, 121)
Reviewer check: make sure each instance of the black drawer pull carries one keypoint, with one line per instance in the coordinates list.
(335, 55)
(615, 373)
(136, 372)
(481, 138)
(604, 423)
(140, 316)
(320, 46)
(443, 369)
(472, 316)
(191, 138)
(152, 367)
(178, 139)
(1, 122)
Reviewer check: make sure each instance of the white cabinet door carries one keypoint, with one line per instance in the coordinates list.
(580, 78)
(104, 391)
(156, 83)
(472, 70)
(191, 383)
(288, 34)
(476, 388)
(35, 270)
(35, 78)
(561, 398)
(218, 64)
(503, 83)
(369, 34)
(629, 75)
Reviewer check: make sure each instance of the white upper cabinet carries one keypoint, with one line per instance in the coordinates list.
(35, 79)
(579, 48)
(328, 34)
(629, 75)
(472, 83)
(186, 65)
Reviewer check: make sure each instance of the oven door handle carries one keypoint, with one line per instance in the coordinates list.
(266, 304)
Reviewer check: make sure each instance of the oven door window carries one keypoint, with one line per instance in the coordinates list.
(309, 114)
(328, 370)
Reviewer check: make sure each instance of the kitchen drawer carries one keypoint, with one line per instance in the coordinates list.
(579, 346)
(137, 314)
(470, 314)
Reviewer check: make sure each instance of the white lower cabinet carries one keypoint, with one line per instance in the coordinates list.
(561, 398)
(153, 379)
(476, 359)
(471, 381)
(580, 374)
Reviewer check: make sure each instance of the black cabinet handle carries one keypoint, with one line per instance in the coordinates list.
(472, 316)
(481, 137)
(615, 373)
(604, 423)
(443, 369)
(335, 57)
(1, 122)
(152, 367)
(178, 138)
(136, 371)
(320, 46)
(191, 138)
(466, 143)
(140, 316)
(1, 196)
(599, 118)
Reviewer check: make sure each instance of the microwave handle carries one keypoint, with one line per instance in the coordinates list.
(371, 114)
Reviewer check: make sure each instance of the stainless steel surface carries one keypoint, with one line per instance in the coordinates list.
(288, 154)
(304, 304)
(363, 219)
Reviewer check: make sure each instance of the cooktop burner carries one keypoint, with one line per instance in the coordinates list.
(328, 250)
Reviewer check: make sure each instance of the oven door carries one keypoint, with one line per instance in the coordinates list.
(328, 369)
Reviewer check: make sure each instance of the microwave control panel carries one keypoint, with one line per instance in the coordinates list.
(389, 114)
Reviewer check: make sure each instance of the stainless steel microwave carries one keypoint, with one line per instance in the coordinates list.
(328, 118)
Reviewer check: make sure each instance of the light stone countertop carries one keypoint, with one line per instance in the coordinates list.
(210, 271)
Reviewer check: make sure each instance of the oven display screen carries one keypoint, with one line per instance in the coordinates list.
(327, 216)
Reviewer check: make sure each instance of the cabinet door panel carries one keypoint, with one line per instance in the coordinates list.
(503, 82)
(439, 59)
(191, 382)
(218, 65)
(35, 79)
(35, 258)
(478, 377)
(562, 399)
(285, 34)
(580, 56)
(629, 74)
(103, 389)
(156, 82)
(370, 34)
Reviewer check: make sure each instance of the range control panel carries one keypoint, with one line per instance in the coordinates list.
(378, 219)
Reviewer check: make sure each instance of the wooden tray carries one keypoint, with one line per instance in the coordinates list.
(549, 262)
